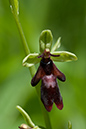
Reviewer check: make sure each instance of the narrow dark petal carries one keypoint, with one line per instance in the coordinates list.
(54, 55)
(40, 56)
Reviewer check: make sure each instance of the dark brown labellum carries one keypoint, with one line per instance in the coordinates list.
(50, 93)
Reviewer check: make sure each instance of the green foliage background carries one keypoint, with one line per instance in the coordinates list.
(64, 18)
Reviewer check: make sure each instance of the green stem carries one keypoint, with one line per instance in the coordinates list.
(24, 42)
(32, 69)
(46, 118)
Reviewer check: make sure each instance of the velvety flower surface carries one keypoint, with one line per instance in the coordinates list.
(50, 92)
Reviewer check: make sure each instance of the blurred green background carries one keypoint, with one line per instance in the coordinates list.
(64, 18)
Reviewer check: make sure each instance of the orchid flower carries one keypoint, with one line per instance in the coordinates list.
(47, 71)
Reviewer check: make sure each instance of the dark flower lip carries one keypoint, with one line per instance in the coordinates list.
(49, 107)
(50, 93)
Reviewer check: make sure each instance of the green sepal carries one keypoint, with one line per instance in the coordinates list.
(14, 5)
(64, 56)
(57, 45)
(31, 59)
(45, 40)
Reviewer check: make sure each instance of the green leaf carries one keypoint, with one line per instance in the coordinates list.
(31, 59)
(26, 117)
(57, 45)
(45, 40)
(64, 56)
(14, 5)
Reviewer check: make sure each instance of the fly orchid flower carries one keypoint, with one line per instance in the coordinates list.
(47, 71)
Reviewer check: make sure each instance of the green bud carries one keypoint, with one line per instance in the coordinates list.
(45, 40)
